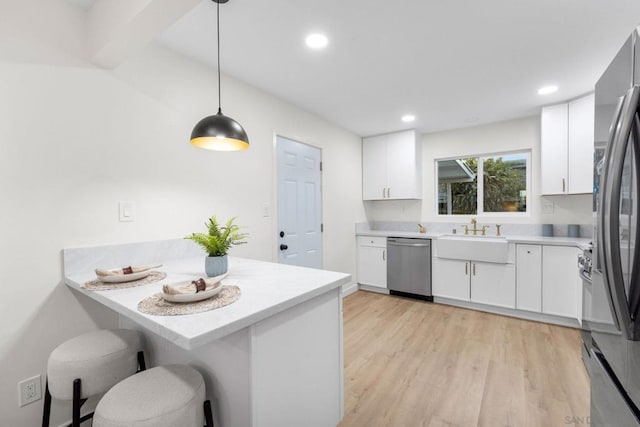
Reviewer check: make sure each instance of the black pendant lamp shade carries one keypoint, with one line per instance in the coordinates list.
(219, 132)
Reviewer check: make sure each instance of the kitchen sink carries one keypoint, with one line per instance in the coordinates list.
(476, 248)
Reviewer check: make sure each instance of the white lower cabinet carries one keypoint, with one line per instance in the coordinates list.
(493, 284)
(529, 277)
(481, 282)
(372, 261)
(450, 279)
(547, 279)
(560, 280)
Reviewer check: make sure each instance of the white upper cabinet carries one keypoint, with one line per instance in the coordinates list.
(567, 147)
(374, 167)
(554, 149)
(392, 166)
(581, 128)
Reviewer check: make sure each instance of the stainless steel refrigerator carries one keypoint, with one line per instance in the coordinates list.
(615, 344)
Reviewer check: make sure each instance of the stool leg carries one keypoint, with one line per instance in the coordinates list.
(142, 366)
(208, 415)
(77, 392)
(46, 411)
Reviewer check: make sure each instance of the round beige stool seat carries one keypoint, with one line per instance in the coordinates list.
(164, 396)
(100, 359)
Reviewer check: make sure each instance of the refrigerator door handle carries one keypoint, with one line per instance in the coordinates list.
(603, 203)
(610, 220)
(634, 288)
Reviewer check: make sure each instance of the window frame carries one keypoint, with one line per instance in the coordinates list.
(480, 195)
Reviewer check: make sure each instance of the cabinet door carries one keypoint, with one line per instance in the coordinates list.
(553, 147)
(581, 124)
(493, 284)
(372, 266)
(374, 167)
(529, 277)
(450, 278)
(560, 280)
(403, 166)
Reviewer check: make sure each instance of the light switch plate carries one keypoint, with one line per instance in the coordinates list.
(126, 211)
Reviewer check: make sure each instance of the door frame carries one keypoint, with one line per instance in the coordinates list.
(274, 193)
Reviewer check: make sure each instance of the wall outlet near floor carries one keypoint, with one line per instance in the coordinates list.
(29, 390)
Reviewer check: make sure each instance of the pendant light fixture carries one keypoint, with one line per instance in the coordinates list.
(219, 132)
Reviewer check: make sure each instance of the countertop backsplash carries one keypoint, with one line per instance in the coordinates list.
(559, 230)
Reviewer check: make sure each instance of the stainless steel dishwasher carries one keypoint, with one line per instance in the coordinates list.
(409, 267)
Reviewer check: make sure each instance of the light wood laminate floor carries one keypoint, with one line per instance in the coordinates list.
(410, 363)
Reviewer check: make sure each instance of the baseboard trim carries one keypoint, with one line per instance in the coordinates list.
(520, 314)
(349, 289)
(374, 289)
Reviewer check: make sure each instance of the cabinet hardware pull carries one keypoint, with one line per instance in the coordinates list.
(388, 192)
(474, 269)
(466, 268)
(563, 185)
(384, 254)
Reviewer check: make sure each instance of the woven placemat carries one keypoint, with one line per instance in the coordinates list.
(98, 285)
(158, 306)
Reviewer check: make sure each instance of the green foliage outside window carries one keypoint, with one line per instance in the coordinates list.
(504, 186)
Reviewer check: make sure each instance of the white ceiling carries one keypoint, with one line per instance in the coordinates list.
(452, 63)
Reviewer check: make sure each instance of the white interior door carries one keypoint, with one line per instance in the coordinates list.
(299, 204)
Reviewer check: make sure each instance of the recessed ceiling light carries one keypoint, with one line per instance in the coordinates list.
(408, 118)
(317, 41)
(547, 90)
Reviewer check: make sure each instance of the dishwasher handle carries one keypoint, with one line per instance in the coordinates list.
(413, 245)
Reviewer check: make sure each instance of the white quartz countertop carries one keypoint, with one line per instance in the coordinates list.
(267, 288)
(578, 242)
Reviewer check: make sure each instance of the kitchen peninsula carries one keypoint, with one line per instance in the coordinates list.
(273, 357)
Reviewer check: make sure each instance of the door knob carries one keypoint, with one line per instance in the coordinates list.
(282, 234)
(284, 247)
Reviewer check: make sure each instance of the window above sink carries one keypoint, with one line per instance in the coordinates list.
(502, 191)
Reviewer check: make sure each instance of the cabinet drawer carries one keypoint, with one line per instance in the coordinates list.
(376, 241)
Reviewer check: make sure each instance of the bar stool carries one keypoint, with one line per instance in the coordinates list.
(164, 396)
(89, 365)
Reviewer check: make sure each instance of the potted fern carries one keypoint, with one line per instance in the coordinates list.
(217, 242)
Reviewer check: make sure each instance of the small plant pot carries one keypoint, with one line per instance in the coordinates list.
(215, 265)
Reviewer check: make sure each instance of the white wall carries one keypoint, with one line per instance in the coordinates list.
(519, 134)
(76, 140)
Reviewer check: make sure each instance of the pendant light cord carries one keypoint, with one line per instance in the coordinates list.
(218, 27)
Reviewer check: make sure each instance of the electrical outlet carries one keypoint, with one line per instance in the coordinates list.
(547, 207)
(29, 390)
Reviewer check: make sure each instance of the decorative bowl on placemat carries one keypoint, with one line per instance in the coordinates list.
(195, 290)
(119, 278)
(125, 274)
(208, 293)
